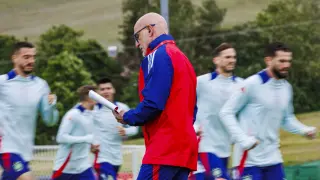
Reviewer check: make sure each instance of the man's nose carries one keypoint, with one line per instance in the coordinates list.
(31, 60)
(287, 65)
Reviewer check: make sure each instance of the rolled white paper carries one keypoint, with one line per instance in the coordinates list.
(95, 96)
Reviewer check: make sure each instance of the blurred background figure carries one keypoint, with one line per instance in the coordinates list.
(109, 134)
(75, 136)
(213, 90)
(22, 96)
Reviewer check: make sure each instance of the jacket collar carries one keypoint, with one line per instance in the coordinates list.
(156, 42)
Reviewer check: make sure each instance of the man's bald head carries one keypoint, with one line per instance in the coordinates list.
(147, 28)
(161, 26)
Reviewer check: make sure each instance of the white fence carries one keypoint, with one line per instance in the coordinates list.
(43, 160)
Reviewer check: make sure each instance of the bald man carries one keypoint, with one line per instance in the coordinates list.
(167, 109)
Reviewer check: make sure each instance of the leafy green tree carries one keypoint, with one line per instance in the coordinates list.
(130, 91)
(63, 38)
(295, 23)
(6, 44)
(203, 38)
(65, 73)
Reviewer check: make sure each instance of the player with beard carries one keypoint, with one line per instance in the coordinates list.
(256, 111)
(22, 95)
(213, 90)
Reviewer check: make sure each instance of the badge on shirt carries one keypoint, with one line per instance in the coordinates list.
(106, 178)
(217, 172)
(249, 177)
(18, 166)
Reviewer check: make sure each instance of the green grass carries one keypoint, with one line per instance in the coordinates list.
(98, 18)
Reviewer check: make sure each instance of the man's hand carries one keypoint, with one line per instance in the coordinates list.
(199, 133)
(51, 98)
(311, 134)
(121, 130)
(95, 148)
(119, 116)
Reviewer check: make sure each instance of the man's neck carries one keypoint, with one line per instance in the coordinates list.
(271, 74)
(223, 73)
(110, 99)
(20, 72)
(87, 105)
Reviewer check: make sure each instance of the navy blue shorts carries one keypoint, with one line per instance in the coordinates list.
(214, 166)
(274, 172)
(161, 172)
(85, 175)
(106, 171)
(14, 166)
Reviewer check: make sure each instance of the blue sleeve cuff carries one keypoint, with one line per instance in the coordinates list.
(142, 114)
(126, 118)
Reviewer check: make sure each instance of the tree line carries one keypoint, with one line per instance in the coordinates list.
(67, 61)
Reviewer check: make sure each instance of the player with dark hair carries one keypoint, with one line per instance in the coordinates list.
(22, 95)
(213, 90)
(109, 134)
(257, 110)
(75, 136)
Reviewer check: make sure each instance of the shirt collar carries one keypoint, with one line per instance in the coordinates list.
(81, 108)
(12, 74)
(158, 40)
(215, 74)
(265, 77)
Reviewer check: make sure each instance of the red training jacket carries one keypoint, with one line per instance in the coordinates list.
(167, 90)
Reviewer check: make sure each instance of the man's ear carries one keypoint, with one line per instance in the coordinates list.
(215, 60)
(268, 60)
(151, 31)
(13, 58)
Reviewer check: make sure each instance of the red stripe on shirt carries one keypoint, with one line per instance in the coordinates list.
(6, 161)
(60, 170)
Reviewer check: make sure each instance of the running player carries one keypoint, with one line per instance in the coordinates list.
(109, 134)
(213, 90)
(256, 111)
(75, 136)
(22, 95)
